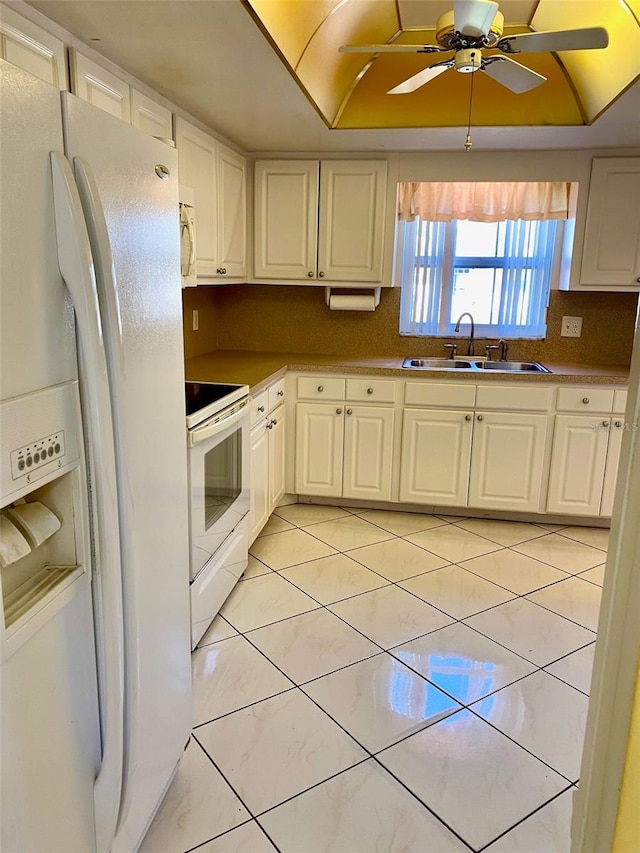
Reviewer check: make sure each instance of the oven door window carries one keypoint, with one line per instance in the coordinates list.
(222, 477)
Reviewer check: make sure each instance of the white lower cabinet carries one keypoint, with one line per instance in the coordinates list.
(344, 450)
(436, 455)
(267, 452)
(492, 460)
(507, 461)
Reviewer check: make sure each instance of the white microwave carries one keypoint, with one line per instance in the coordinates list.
(187, 237)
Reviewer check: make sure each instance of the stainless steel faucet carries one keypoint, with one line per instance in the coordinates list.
(470, 350)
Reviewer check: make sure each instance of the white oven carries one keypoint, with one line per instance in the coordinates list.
(218, 452)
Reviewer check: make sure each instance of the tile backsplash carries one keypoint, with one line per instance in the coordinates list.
(285, 318)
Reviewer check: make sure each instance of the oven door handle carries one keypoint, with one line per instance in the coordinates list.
(208, 429)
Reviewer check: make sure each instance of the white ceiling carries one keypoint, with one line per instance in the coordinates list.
(210, 58)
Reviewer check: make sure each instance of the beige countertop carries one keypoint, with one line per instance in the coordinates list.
(255, 369)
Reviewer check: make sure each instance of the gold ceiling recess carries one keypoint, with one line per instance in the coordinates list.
(353, 90)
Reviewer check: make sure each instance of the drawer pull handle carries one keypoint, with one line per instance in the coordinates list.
(321, 388)
(467, 417)
(349, 411)
(280, 393)
(261, 408)
(605, 423)
(618, 424)
(480, 417)
(338, 411)
(369, 390)
(585, 400)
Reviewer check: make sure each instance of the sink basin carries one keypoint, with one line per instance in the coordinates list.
(437, 364)
(473, 365)
(512, 366)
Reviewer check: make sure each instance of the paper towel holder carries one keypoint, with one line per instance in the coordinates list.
(376, 294)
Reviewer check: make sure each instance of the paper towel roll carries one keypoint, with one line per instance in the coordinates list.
(352, 302)
(13, 545)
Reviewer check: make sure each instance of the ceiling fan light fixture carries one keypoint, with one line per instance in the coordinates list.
(469, 60)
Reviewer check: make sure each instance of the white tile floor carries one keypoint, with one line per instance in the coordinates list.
(391, 682)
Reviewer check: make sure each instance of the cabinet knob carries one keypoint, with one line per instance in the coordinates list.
(605, 423)
(221, 271)
(369, 390)
(467, 417)
(261, 408)
(638, 279)
(274, 422)
(585, 400)
(321, 388)
(270, 425)
(618, 424)
(349, 411)
(310, 274)
(480, 417)
(320, 275)
(338, 411)
(280, 393)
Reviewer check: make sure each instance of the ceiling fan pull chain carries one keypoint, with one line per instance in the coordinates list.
(467, 144)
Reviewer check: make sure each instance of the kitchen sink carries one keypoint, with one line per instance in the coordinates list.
(473, 365)
(512, 366)
(437, 364)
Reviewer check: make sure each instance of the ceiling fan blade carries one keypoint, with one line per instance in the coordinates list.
(419, 79)
(509, 73)
(473, 17)
(588, 38)
(390, 48)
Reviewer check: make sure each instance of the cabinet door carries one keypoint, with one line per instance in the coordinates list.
(232, 214)
(276, 457)
(611, 468)
(352, 209)
(31, 48)
(99, 87)
(319, 440)
(368, 452)
(507, 460)
(259, 502)
(611, 254)
(436, 453)
(286, 218)
(577, 465)
(197, 159)
(150, 117)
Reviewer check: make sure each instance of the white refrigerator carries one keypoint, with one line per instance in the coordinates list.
(95, 677)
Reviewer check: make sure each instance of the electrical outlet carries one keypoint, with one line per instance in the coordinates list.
(196, 320)
(571, 327)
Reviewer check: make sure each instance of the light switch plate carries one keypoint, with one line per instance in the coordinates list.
(571, 327)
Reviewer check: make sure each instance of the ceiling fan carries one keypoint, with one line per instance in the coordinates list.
(476, 24)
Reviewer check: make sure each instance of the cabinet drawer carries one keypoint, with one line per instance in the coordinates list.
(439, 394)
(521, 399)
(276, 393)
(619, 401)
(259, 406)
(578, 399)
(321, 388)
(371, 390)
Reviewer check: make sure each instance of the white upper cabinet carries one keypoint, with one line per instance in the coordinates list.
(31, 48)
(286, 218)
(217, 176)
(150, 117)
(611, 251)
(99, 87)
(320, 221)
(232, 213)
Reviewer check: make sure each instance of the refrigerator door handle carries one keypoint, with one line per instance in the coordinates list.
(77, 269)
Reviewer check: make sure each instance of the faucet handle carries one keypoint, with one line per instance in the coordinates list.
(489, 349)
(504, 347)
(453, 349)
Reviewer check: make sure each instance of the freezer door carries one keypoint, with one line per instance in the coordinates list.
(128, 184)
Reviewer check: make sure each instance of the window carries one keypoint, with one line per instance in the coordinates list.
(500, 272)
(489, 248)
